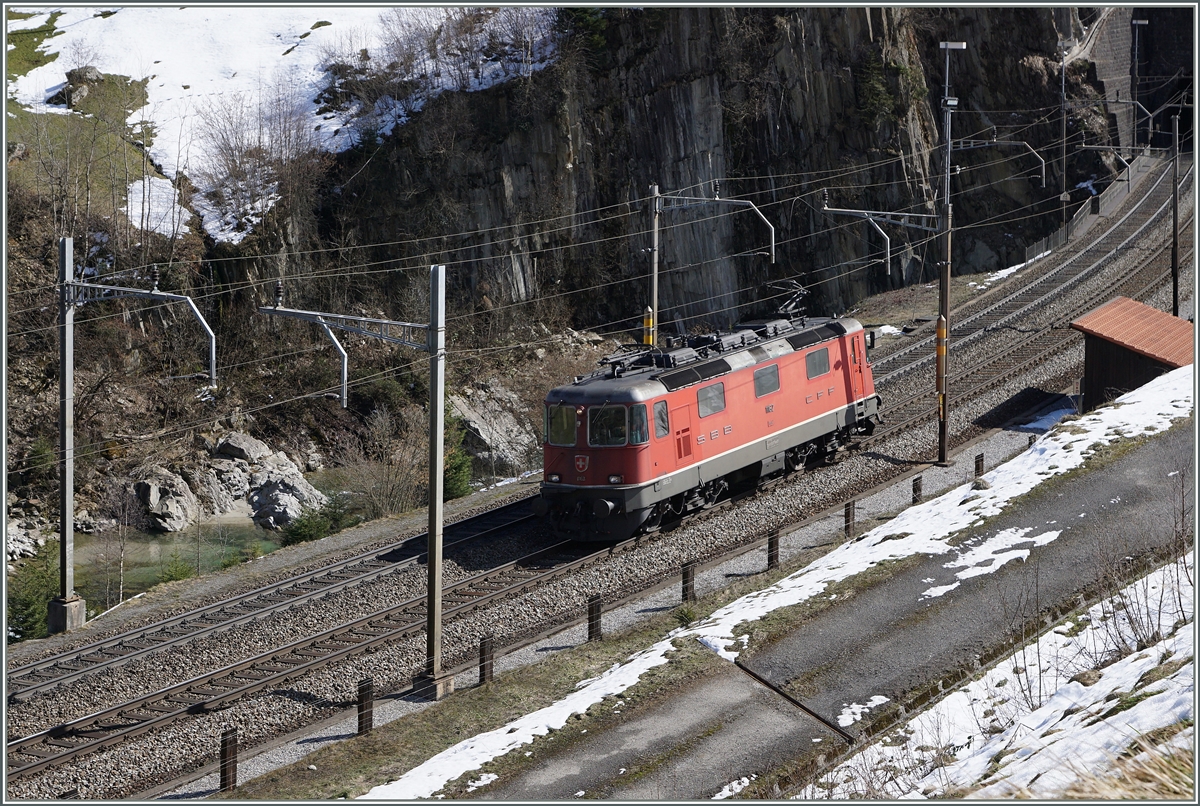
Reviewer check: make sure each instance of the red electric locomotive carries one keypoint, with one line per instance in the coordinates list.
(657, 433)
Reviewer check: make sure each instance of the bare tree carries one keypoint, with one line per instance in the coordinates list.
(121, 504)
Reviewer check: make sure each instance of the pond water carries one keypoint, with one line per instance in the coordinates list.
(154, 557)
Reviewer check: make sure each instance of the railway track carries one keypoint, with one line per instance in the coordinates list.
(217, 689)
(221, 687)
(1025, 347)
(46, 674)
(971, 321)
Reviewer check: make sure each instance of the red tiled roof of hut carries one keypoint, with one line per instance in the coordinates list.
(1142, 329)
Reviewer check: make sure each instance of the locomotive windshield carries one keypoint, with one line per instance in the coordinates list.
(560, 425)
(606, 426)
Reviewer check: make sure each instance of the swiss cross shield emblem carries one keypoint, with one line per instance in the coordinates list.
(581, 463)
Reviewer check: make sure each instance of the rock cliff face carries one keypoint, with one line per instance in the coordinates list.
(773, 104)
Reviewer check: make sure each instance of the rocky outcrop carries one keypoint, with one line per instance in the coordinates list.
(757, 104)
(243, 446)
(28, 527)
(169, 501)
(280, 493)
(77, 87)
(241, 468)
(225, 482)
(23, 537)
(498, 435)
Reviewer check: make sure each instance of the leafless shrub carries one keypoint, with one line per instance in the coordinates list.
(256, 148)
(387, 470)
(82, 52)
(516, 32)
(120, 503)
(1138, 613)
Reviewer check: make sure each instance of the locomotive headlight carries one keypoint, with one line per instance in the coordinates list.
(554, 478)
(615, 479)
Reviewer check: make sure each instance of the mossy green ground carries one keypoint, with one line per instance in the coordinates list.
(98, 135)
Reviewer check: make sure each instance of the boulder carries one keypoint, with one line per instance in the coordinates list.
(169, 501)
(243, 446)
(75, 95)
(84, 75)
(224, 482)
(280, 492)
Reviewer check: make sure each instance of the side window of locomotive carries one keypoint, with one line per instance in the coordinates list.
(766, 380)
(560, 425)
(639, 431)
(817, 362)
(662, 426)
(711, 399)
(606, 426)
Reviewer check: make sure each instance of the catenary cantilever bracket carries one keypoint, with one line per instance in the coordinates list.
(699, 201)
(82, 292)
(964, 145)
(405, 333)
(875, 217)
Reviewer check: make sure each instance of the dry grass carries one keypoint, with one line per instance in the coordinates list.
(1153, 774)
(904, 305)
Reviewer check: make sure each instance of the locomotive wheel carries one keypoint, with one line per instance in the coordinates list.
(794, 460)
(654, 520)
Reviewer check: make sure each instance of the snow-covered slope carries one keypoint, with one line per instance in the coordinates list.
(199, 58)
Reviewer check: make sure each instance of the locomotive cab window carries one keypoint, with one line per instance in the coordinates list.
(606, 426)
(560, 425)
(662, 426)
(817, 362)
(639, 431)
(766, 380)
(711, 399)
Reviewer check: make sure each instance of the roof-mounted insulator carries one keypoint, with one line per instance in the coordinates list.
(154, 279)
(278, 293)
